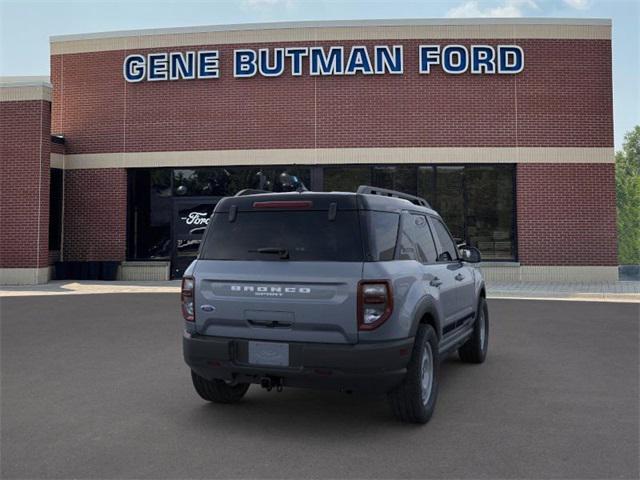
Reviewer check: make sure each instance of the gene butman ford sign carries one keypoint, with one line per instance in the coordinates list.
(327, 61)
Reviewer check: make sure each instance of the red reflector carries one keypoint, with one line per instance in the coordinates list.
(284, 204)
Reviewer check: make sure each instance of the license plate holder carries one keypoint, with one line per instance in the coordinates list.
(269, 353)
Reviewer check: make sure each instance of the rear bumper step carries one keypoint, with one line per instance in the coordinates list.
(374, 367)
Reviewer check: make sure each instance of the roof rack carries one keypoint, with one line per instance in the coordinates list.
(393, 193)
(250, 191)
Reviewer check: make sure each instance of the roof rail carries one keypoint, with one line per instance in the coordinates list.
(393, 193)
(250, 191)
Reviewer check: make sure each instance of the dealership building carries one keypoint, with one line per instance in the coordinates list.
(504, 125)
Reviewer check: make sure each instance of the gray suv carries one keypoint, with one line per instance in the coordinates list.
(361, 291)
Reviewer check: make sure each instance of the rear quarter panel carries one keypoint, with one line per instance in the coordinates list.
(412, 297)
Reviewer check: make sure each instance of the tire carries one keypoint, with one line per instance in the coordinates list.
(474, 350)
(218, 391)
(411, 401)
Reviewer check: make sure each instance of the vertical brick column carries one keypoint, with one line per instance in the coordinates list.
(25, 123)
(567, 214)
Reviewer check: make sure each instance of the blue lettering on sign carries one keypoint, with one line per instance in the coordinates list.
(455, 59)
(244, 63)
(182, 65)
(134, 68)
(483, 59)
(510, 59)
(324, 61)
(329, 64)
(296, 55)
(359, 61)
(158, 67)
(385, 61)
(208, 64)
(429, 55)
(274, 67)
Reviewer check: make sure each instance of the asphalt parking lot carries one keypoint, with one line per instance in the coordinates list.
(93, 386)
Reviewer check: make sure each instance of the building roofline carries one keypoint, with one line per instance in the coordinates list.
(18, 89)
(24, 81)
(333, 24)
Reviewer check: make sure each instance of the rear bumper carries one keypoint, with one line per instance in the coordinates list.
(375, 367)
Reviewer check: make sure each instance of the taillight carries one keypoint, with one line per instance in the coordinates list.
(186, 298)
(375, 303)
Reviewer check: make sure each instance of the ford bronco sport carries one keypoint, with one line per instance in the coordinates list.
(361, 291)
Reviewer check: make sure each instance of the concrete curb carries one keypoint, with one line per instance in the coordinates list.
(621, 292)
(574, 297)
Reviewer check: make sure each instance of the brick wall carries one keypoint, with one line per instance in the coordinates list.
(566, 214)
(95, 214)
(24, 183)
(562, 98)
(57, 148)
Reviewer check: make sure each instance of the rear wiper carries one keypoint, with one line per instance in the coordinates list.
(283, 252)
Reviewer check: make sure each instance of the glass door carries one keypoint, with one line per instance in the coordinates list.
(190, 219)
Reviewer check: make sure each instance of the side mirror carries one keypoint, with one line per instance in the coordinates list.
(470, 254)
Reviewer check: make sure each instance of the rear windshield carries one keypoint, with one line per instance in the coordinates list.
(284, 236)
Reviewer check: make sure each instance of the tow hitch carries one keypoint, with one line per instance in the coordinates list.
(269, 383)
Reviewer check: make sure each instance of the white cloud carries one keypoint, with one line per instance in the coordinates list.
(578, 4)
(508, 8)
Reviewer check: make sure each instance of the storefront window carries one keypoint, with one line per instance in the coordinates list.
(476, 201)
(401, 178)
(149, 219)
(224, 181)
(346, 178)
(449, 200)
(427, 184)
(155, 216)
(489, 211)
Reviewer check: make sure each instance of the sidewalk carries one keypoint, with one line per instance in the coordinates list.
(84, 287)
(588, 292)
(591, 292)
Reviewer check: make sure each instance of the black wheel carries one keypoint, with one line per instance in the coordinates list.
(415, 398)
(218, 391)
(474, 350)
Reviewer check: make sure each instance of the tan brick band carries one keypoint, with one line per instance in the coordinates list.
(57, 160)
(550, 273)
(25, 93)
(329, 31)
(336, 156)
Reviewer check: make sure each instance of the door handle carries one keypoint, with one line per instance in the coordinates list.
(435, 282)
(459, 277)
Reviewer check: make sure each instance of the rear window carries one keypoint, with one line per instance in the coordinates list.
(284, 236)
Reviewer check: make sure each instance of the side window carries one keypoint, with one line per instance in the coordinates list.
(424, 240)
(449, 252)
(406, 245)
(416, 242)
(383, 234)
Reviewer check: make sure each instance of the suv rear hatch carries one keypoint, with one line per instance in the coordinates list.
(281, 267)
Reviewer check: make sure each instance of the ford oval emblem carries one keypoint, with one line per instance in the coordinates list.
(208, 308)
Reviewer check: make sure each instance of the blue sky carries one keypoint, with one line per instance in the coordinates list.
(25, 26)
